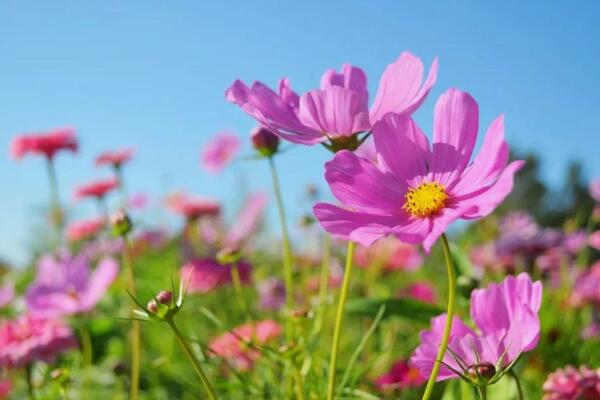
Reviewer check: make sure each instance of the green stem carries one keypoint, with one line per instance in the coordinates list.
(188, 351)
(287, 248)
(56, 213)
(122, 187)
(449, 318)
(135, 326)
(518, 383)
(29, 379)
(323, 284)
(237, 287)
(103, 208)
(482, 392)
(339, 319)
(86, 352)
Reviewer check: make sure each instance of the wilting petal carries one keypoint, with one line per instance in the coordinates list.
(358, 183)
(400, 89)
(336, 111)
(456, 120)
(402, 147)
(98, 284)
(359, 227)
(485, 200)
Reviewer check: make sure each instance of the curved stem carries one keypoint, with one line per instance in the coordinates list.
(449, 318)
(197, 367)
(287, 248)
(135, 327)
(518, 383)
(339, 319)
(482, 392)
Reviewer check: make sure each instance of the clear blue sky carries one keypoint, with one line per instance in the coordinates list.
(152, 74)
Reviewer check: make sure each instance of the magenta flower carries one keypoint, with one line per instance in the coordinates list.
(506, 315)
(96, 189)
(573, 384)
(115, 158)
(594, 190)
(206, 275)
(193, 207)
(32, 338)
(85, 229)
(47, 144)
(248, 219)
(400, 376)
(339, 109)
(66, 285)
(422, 291)
(416, 190)
(7, 294)
(219, 152)
(587, 287)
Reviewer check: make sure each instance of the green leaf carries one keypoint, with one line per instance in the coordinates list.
(409, 309)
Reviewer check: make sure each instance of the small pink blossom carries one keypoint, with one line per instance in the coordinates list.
(572, 384)
(232, 345)
(7, 294)
(594, 240)
(594, 190)
(206, 275)
(587, 287)
(391, 254)
(29, 338)
(219, 152)
(422, 291)
(115, 158)
(247, 220)
(47, 144)
(84, 229)
(400, 376)
(96, 189)
(193, 207)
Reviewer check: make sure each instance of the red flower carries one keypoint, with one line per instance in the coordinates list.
(47, 144)
(97, 189)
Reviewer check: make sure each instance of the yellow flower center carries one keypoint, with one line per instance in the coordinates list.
(425, 200)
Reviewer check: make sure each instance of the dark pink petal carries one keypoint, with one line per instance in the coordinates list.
(403, 148)
(359, 227)
(413, 230)
(335, 112)
(357, 183)
(99, 282)
(286, 93)
(485, 200)
(400, 89)
(456, 120)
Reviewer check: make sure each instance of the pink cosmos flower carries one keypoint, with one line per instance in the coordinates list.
(30, 338)
(594, 189)
(138, 201)
(573, 384)
(219, 152)
(247, 220)
(193, 207)
(400, 376)
(594, 240)
(47, 144)
(66, 285)
(339, 109)
(587, 287)
(422, 291)
(7, 294)
(506, 315)
(233, 346)
(96, 189)
(271, 294)
(391, 254)
(84, 229)
(206, 275)
(115, 158)
(416, 190)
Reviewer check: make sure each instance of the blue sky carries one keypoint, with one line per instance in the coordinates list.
(152, 74)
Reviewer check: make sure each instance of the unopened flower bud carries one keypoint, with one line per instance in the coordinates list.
(121, 223)
(152, 306)
(264, 141)
(484, 371)
(164, 297)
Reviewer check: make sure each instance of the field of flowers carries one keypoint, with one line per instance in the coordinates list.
(384, 294)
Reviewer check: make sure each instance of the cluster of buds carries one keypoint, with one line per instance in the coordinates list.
(163, 306)
(121, 223)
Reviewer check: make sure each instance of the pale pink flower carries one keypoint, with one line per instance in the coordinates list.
(115, 158)
(391, 254)
(84, 229)
(96, 189)
(219, 152)
(205, 275)
(573, 384)
(247, 220)
(7, 294)
(400, 376)
(29, 338)
(193, 207)
(594, 189)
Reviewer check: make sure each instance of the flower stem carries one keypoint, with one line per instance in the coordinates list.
(449, 318)
(323, 284)
(518, 383)
(482, 392)
(188, 351)
(122, 187)
(29, 379)
(135, 327)
(237, 287)
(55, 213)
(287, 248)
(86, 352)
(339, 319)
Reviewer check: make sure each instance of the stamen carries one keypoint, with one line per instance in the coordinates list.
(425, 200)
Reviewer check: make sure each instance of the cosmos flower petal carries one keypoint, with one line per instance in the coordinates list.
(399, 133)
(400, 89)
(336, 111)
(439, 225)
(103, 276)
(456, 120)
(359, 227)
(359, 184)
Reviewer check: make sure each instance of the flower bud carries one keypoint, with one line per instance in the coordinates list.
(121, 223)
(152, 306)
(484, 371)
(164, 297)
(264, 141)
